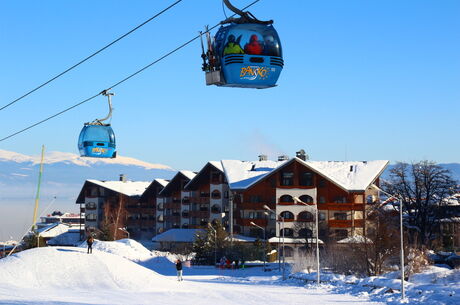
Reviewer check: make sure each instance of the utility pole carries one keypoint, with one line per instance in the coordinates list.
(230, 203)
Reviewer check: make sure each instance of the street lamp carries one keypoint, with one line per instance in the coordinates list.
(265, 240)
(401, 229)
(215, 243)
(282, 230)
(124, 230)
(317, 235)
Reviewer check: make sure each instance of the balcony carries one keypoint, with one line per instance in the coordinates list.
(175, 206)
(338, 223)
(252, 205)
(205, 195)
(199, 214)
(200, 200)
(247, 222)
(341, 206)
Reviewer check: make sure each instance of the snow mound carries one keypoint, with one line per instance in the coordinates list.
(67, 267)
(127, 248)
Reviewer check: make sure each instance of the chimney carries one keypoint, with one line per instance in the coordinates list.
(122, 177)
(283, 158)
(302, 155)
(263, 157)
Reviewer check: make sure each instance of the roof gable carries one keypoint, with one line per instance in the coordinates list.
(348, 175)
(211, 164)
(189, 175)
(243, 174)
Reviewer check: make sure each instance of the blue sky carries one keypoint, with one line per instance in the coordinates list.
(363, 80)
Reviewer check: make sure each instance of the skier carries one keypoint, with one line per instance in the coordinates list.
(89, 242)
(179, 270)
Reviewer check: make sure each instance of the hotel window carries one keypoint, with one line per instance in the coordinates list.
(340, 199)
(288, 232)
(287, 215)
(306, 179)
(322, 199)
(287, 199)
(322, 216)
(215, 194)
(91, 217)
(340, 216)
(306, 199)
(287, 178)
(91, 205)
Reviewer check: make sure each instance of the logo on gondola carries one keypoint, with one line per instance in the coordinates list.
(99, 150)
(254, 72)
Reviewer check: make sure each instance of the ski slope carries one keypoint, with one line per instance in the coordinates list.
(124, 273)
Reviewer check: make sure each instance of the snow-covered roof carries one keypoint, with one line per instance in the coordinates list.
(178, 235)
(217, 165)
(242, 174)
(189, 174)
(349, 175)
(70, 238)
(162, 182)
(53, 230)
(242, 238)
(128, 188)
(453, 219)
(288, 240)
(357, 239)
(453, 200)
(197, 176)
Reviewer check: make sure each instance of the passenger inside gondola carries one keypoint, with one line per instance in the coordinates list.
(270, 47)
(233, 46)
(254, 47)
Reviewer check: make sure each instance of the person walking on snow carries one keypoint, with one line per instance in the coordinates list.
(179, 270)
(90, 241)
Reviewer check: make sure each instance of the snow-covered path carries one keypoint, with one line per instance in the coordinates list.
(67, 276)
(198, 290)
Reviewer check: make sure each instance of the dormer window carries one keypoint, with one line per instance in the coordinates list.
(287, 178)
(306, 179)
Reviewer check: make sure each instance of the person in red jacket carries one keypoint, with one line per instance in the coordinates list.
(254, 47)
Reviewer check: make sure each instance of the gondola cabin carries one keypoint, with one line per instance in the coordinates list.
(247, 55)
(97, 141)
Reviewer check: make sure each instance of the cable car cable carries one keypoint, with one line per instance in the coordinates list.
(89, 57)
(120, 82)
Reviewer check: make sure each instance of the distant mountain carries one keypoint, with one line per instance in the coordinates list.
(63, 178)
(65, 173)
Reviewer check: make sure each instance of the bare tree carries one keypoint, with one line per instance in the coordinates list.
(423, 188)
(381, 242)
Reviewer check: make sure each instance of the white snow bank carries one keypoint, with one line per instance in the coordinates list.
(67, 267)
(435, 285)
(127, 248)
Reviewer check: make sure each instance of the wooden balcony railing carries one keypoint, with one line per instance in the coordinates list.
(247, 222)
(336, 223)
(199, 214)
(253, 205)
(341, 206)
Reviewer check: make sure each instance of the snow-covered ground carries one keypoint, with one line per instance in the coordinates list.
(124, 272)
